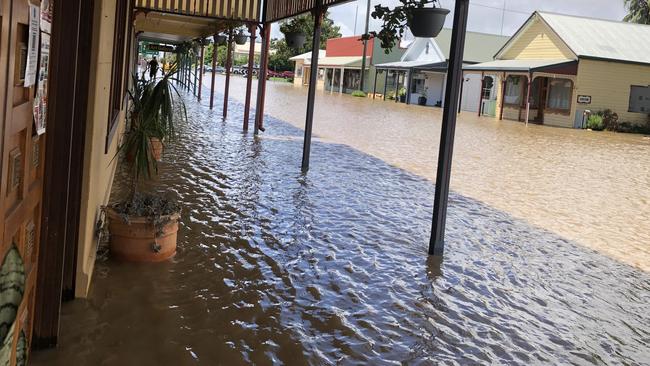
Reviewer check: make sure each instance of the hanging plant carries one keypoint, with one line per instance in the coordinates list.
(220, 39)
(293, 34)
(241, 38)
(423, 21)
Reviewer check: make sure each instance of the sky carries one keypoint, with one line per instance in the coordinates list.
(485, 16)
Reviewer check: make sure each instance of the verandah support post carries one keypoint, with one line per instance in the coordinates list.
(365, 50)
(196, 74)
(313, 80)
(226, 91)
(385, 83)
(455, 73)
(480, 95)
(261, 86)
(503, 96)
(252, 29)
(201, 67)
(214, 71)
(530, 83)
(374, 88)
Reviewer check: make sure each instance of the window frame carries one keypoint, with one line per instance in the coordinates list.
(118, 90)
(566, 112)
(521, 91)
(629, 107)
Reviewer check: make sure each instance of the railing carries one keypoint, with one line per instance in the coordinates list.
(243, 10)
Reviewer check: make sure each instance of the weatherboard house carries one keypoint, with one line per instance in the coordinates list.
(557, 67)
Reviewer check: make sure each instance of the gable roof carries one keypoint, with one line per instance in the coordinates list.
(423, 49)
(479, 47)
(595, 38)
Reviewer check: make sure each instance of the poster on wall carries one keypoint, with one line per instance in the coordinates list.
(32, 46)
(40, 102)
(46, 15)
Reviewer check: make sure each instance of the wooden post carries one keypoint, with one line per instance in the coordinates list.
(385, 83)
(530, 83)
(445, 156)
(249, 80)
(313, 80)
(196, 74)
(503, 96)
(226, 91)
(374, 88)
(396, 86)
(215, 48)
(261, 86)
(202, 66)
(409, 75)
(480, 95)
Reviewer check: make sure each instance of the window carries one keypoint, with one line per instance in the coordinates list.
(118, 87)
(299, 71)
(417, 84)
(639, 99)
(488, 84)
(560, 93)
(514, 87)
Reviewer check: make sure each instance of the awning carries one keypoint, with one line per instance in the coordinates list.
(343, 61)
(406, 65)
(558, 66)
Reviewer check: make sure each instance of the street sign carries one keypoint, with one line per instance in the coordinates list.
(160, 48)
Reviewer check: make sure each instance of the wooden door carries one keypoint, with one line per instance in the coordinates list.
(20, 189)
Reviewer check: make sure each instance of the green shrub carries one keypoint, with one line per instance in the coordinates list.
(610, 120)
(358, 93)
(595, 123)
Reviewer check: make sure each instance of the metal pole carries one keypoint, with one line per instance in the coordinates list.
(249, 80)
(215, 47)
(201, 71)
(261, 87)
(313, 79)
(226, 91)
(196, 74)
(437, 242)
(365, 48)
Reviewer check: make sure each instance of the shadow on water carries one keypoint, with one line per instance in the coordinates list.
(276, 267)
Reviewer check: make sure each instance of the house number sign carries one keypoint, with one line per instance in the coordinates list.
(584, 99)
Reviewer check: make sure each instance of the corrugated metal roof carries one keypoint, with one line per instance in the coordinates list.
(515, 65)
(603, 39)
(479, 47)
(307, 56)
(410, 65)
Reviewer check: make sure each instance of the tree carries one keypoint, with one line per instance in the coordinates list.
(638, 11)
(279, 60)
(222, 52)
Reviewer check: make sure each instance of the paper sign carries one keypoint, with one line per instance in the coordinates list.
(40, 102)
(46, 15)
(32, 46)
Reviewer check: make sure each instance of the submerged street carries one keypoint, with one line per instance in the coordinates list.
(276, 267)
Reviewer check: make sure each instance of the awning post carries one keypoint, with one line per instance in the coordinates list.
(201, 67)
(313, 80)
(249, 78)
(480, 95)
(530, 83)
(374, 88)
(215, 47)
(226, 91)
(385, 83)
(437, 242)
(261, 86)
(503, 96)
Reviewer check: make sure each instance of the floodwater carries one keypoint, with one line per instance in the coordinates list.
(279, 268)
(590, 187)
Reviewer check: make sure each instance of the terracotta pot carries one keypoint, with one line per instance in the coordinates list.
(136, 241)
(427, 22)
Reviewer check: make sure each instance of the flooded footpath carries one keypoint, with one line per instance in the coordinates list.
(330, 268)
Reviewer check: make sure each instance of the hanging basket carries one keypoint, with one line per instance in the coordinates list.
(220, 40)
(241, 38)
(427, 22)
(295, 39)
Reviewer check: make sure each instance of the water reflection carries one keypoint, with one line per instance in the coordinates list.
(276, 267)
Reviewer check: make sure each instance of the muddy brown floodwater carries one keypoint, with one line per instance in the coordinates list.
(593, 188)
(279, 268)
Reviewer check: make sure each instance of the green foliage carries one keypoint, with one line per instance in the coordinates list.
(638, 11)
(156, 106)
(394, 21)
(358, 93)
(12, 289)
(279, 60)
(595, 123)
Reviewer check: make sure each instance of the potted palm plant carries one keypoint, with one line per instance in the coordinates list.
(423, 21)
(422, 99)
(143, 227)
